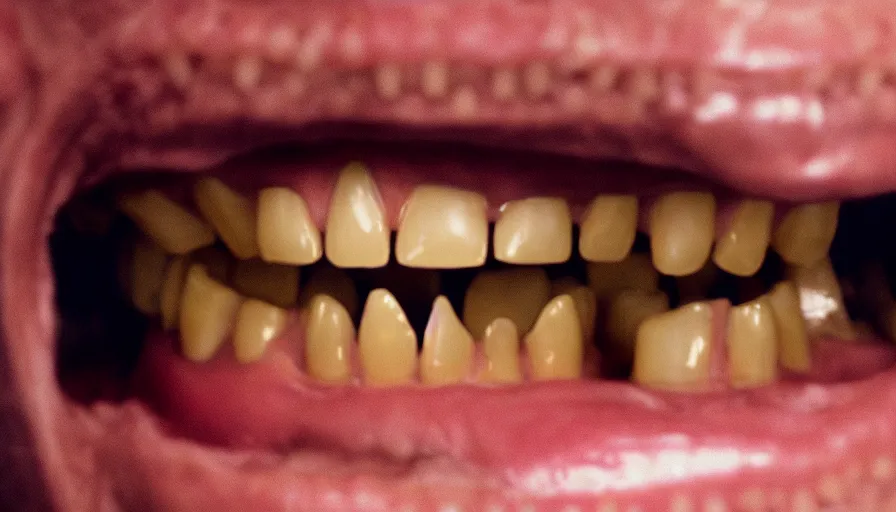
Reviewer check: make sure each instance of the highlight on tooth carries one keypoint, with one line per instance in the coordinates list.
(387, 344)
(608, 228)
(258, 324)
(208, 311)
(534, 231)
(286, 232)
(447, 354)
(554, 345)
(672, 349)
(329, 338)
(357, 230)
(501, 347)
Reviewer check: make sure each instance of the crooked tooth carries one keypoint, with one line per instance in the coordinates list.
(147, 274)
(168, 223)
(207, 312)
(277, 284)
(357, 231)
(793, 343)
(442, 227)
(682, 228)
(608, 228)
(584, 299)
(672, 350)
(752, 345)
(232, 215)
(258, 323)
(332, 282)
(501, 346)
(741, 250)
(172, 289)
(554, 344)
(447, 347)
(328, 340)
(286, 232)
(633, 273)
(805, 234)
(386, 342)
(821, 301)
(534, 231)
(626, 312)
(518, 294)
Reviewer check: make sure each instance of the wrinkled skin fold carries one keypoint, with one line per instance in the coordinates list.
(70, 112)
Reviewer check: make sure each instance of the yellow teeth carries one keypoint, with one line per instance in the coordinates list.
(682, 228)
(168, 223)
(328, 340)
(608, 228)
(386, 341)
(752, 345)
(147, 273)
(627, 311)
(793, 343)
(286, 231)
(633, 273)
(672, 350)
(232, 215)
(258, 323)
(741, 250)
(554, 344)
(442, 227)
(501, 346)
(207, 312)
(518, 294)
(335, 283)
(277, 284)
(585, 300)
(805, 234)
(821, 301)
(172, 289)
(534, 231)
(447, 347)
(357, 231)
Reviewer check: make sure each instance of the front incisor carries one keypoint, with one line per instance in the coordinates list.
(806, 232)
(518, 294)
(608, 228)
(386, 342)
(173, 227)
(207, 313)
(501, 347)
(447, 347)
(752, 345)
(672, 350)
(534, 231)
(357, 231)
(258, 323)
(682, 228)
(554, 345)
(328, 340)
(286, 232)
(793, 343)
(232, 215)
(741, 249)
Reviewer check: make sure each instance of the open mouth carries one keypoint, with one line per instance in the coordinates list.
(344, 264)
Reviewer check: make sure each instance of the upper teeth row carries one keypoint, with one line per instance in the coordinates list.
(445, 227)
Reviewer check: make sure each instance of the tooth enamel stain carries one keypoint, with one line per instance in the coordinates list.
(534, 231)
(171, 226)
(328, 340)
(232, 215)
(286, 232)
(258, 323)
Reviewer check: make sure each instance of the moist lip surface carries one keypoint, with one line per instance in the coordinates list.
(184, 87)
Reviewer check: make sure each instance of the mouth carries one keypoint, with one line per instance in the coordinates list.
(419, 257)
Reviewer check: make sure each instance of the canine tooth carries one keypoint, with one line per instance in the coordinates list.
(518, 294)
(501, 346)
(504, 84)
(247, 73)
(682, 228)
(257, 324)
(277, 284)
(357, 231)
(286, 232)
(554, 344)
(179, 69)
(536, 231)
(434, 80)
(442, 227)
(335, 283)
(388, 81)
(805, 234)
(537, 77)
(625, 314)
(232, 215)
(172, 289)
(793, 343)
(168, 223)
(821, 301)
(387, 344)
(328, 340)
(218, 262)
(752, 345)
(608, 228)
(207, 312)
(672, 350)
(147, 273)
(633, 273)
(447, 346)
(585, 300)
(741, 250)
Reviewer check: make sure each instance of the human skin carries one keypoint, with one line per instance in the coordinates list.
(67, 99)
